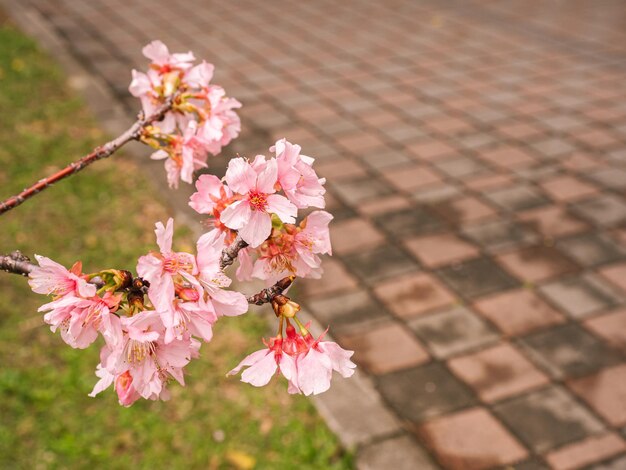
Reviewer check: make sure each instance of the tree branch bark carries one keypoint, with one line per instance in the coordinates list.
(267, 294)
(16, 263)
(229, 254)
(104, 151)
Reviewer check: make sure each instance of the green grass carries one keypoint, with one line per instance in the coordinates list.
(104, 216)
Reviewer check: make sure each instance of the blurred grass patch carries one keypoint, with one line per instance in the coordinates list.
(105, 216)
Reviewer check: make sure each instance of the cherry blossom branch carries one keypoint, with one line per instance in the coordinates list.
(176, 297)
(229, 254)
(268, 294)
(18, 263)
(104, 151)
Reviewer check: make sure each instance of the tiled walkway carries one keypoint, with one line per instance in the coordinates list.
(476, 156)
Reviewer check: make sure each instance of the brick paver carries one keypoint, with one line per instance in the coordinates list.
(476, 166)
(587, 451)
(518, 311)
(497, 373)
(471, 439)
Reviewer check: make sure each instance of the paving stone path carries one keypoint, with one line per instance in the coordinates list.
(476, 161)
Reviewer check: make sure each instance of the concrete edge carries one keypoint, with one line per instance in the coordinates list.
(353, 408)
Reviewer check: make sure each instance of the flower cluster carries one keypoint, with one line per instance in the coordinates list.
(153, 325)
(307, 363)
(248, 202)
(149, 340)
(202, 119)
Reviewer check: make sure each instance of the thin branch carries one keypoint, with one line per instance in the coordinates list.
(229, 254)
(16, 263)
(106, 150)
(268, 294)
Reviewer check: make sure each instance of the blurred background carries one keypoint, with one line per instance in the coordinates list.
(475, 161)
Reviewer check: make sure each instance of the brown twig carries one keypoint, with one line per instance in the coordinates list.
(268, 294)
(229, 254)
(106, 150)
(16, 263)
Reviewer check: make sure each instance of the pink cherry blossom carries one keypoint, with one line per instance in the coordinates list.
(316, 366)
(213, 279)
(297, 177)
(211, 197)
(166, 269)
(151, 87)
(263, 364)
(294, 250)
(144, 86)
(147, 358)
(80, 320)
(93, 316)
(163, 61)
(276, 259)
(187, 154)
(143, 363)
(251, 215)
(59, 315)
(230, 122)
(314, 239)
(189, 318)
(50, 278)
(199, 75)
(203, 121)
(305, 362)
(126, 393)
(221, 124)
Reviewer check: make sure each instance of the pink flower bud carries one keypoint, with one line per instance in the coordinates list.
(126, 393)
(188, 294)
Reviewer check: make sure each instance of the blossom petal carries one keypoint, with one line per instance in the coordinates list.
(140, 84)
(282, 207)
(106, 379)
(240, 176)
(244, 271)
(249, 360)
(339, 358)
(149, 267)
(314, 372)
(207, 186)
(261, 372)
(200, 75)
(157, 52)
(164, 235)
(288, 368)
(229, 303)
(257, 229)
(209, 248)
(267, 178)
(236, 215)
(201, 326)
